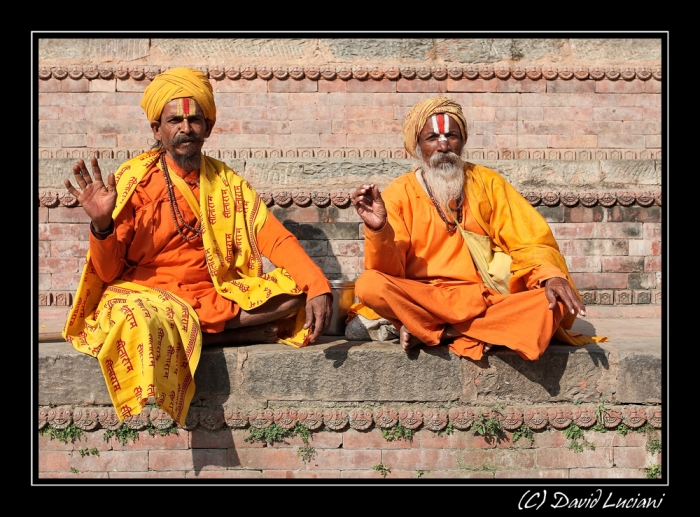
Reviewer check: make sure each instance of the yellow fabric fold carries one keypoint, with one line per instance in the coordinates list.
(231, 215)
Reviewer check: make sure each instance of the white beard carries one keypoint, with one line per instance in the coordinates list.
(446, 180)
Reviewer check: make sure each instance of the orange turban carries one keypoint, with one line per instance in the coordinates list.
(177, 83)
(419, 114)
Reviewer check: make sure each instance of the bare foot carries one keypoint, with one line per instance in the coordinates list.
(407, 339)
(265, 333)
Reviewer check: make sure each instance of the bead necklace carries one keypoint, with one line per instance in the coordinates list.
(175, 209)
(451, 227)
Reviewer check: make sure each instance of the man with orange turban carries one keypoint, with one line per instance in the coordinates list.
(177, 241)
(455, 255)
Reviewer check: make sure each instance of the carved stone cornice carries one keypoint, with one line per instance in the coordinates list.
(400, 153)
(363, 73)
(50, 198)
(339, 419)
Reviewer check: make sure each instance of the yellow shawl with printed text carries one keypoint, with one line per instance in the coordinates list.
(148, 341)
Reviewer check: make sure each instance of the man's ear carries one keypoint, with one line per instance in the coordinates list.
(155, 127)
(210, 126)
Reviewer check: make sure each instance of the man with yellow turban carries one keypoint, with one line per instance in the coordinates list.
(177, 241)
(455, 255)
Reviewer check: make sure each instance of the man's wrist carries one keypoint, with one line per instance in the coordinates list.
(102, 233)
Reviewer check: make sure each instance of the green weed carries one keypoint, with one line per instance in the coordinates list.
(382, 469)
(397, 432)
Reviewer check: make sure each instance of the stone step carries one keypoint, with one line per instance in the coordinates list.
(626, 369)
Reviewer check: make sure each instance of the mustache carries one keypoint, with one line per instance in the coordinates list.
(181, 139)
(437, 158)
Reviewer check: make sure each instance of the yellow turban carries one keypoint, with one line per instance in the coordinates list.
(419, 114)
(177, 83)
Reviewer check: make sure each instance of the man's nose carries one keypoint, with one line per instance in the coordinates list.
(185, 127)
(442, 145)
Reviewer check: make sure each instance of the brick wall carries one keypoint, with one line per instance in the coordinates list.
(580, 139)
(213, 450)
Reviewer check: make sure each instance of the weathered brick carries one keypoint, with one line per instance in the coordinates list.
(583, 264)
(620, 86)
(642, 281)
(652, 264)
(50, 265)
(620, 141)
(266, 458)
(150, 475)
(634, 213)
(564, 458)
(178, 441)
(467, 85)
(495, 459)
(600, 247)
(413, 459)
(570, 86)
(522, 86)
(275, 85)
(565, 141)
(573, 231)
(622, 264)
(532, 474)
(600, 280)
(103, 85)
(370, 86)
(81, 85)
(112, 461)
(372, 439)
(610, 473)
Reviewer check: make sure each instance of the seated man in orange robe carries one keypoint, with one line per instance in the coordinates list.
(455, 255)
(177, 241)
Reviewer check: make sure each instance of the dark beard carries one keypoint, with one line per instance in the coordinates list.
(190, 161)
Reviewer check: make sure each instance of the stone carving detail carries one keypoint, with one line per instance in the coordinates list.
(512, 419)
(280, 73)
(310, 418)
(435, 419)
(86, 419)
(301, 198)
(321, 199)
(654, 417)
(611, 418)
(60, 417)
(285, 418)
(264, 73)
(335, 419)
(312, 73)
(536, 418)
(108, 419)
(235, 418)
(160, 419)
(248, 73)
(532, 197)
(410, 419)
(588, 199)
(267, 198)
(643, 73)
(232, 72)
(261, 419)
(645, 198)
(392, 73)
(43, 419)
(282, 198)
(634, 417)
(462, 418)
(584, 417)
(560, 418)
(139, 421)
(439, 73)
(386, 418)
(340, 199)
(612, 73)
(565, 73)
(330, 73)
(607, 198)
(45, 298)
(569, 198)
(360, 419)
(626, 198)
(376, 73)
(550, 198)
(192, 419)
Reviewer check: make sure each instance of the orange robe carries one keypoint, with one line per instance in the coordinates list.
(146, 249)
(419, 275)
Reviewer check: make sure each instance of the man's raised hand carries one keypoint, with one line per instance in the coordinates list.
(97, 199)
(370, 206)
